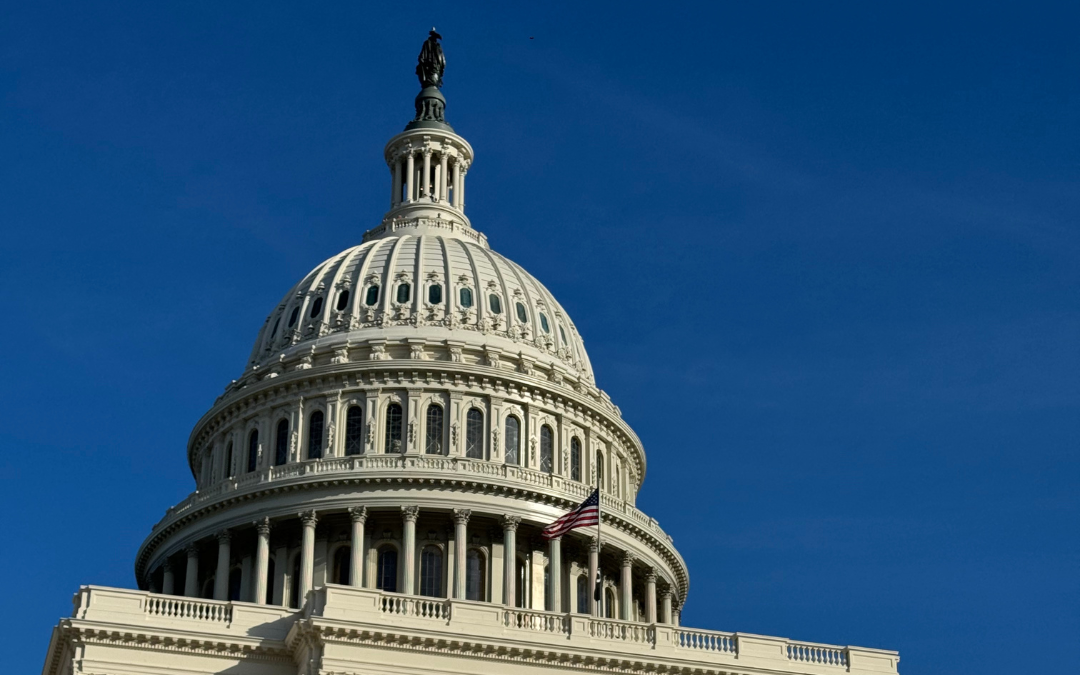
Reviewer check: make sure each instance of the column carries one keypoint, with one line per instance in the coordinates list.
(395, 196)
(191, 574)
(444, 159)
(168, 581)
(461, 188)
(457, 183)
(307, 554)
(594, 569)
(410, 174)
(650, 596)
(425, 180)
(461, 521)
(356, 553)
(281, 564)
(262, 559)
(555, 561)
(626, 589)
(409, 514)
(510, 526)
(665, 606)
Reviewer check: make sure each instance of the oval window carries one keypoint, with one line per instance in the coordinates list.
(434, 294)
(372, 296)
(404, 292)
(522, 316)
(343, 300)
(292, 317)
(495, 304)
(316, 307)
(465, 297)
(544, 323)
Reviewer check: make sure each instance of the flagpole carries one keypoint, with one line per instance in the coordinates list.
(597, 595)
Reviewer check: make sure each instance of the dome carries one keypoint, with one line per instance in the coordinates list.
(429, 296)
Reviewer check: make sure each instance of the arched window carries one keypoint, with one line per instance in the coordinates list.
(236, 576)
(393, 428)
(434, 294)
(342, 562)
(281, 443)
(292, 317)
(609, 604)
(386, 570)
(600, 469)
(316, 307)
(575, 459)
(544, 323)
(495, 303)
(474, 434)
(372, 296)
(582, 594)
(520, 589)
(270, 576)
(404, 292)
(253, 451)
(354, 431)
(431, 572)
(522, 316)
(434, 437)
(228, 461)
(513, 433)
(343, 300)
(294, 583)
(475, 567)
(465, 297)
(564, 340)
(547, 449)
(315, 434)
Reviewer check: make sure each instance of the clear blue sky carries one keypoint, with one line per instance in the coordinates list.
(825, 258)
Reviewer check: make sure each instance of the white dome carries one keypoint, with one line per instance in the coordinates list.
(400, 290)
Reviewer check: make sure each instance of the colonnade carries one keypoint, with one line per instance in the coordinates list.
(422, 174)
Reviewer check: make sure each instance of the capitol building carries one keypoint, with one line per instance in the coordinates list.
(370, 492)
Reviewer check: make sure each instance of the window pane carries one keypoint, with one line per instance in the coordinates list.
(431, 572)
(513, 427)
(393, 428)
(342, 562)
(565, 341)
(315, 434)
(495, 304)
(228, 461)
(474, 576)
(292, 317)
(372, 296)
(281, 443)
(433, 441)
(465, 297)
(404, 292)
(316, 307)
(434, 294)
(343, 300)
(582, 594)
(253, 451)
(386, 572)
(522, 316)
(354, 431)
(544, 323)
(474, 434)
(547, 449)
(575, 459)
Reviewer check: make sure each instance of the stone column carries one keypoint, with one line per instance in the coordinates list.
(307, 555)
(650, 596)
(281, 566)
(395, 195)
(409, 514)
(262, 559)
(510, 526)
(410, 174)
(425, 190)
(461, 188)
(555, 571)
(356, 553)
(665, 606)
(461, 521)
(626, 590)
(221, 577)
(443, 160)
(594, 569)
(168, 581)
(191, 574)
(457, 183)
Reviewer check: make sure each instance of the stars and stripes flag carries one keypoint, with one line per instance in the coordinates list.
(587, 513)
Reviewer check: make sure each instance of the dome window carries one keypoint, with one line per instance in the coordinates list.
(522, 316)
(434, 294)
(316, 307)
(343, 300)
(510, 450)
(474, 434)
(404, 292)
(292, 317)
(393, 428)
(281, 443)
(563, 334)
(372, 296)
(253, 451)
(315, 435)
(544, 323)
(465, 297)
(575, 459)
(354, 431)
(495, 304)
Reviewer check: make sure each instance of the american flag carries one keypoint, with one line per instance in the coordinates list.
(587, 513)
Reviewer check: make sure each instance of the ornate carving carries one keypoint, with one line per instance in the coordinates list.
(594, 545)
(308, 518)
(370, 435)
(628, 559)
(455, 353)
(461, 516)
(416, 352)
(510, 523)
(412, 433)
(341, 355)
(453, 434)
(262, 527)
(358, 514)
(431, 63)
(378, 353)
(650, 576)
(410, 513)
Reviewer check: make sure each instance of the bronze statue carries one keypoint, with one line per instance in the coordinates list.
(431, 63)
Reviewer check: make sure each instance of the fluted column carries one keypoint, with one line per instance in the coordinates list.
(356, 553)
(443, 161)
(191, 574)
(665, 606)
(410, 175)
(461, 522)
(262, 559)
(307, 555)
(425, 179)
(650, 596)
(395, 195)
(626, 590)
(594, 569)
(555, 561)
(409, 514)
(457, 183)
(510, 526)
(168, 580)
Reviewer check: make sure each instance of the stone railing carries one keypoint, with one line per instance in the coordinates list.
(705, 640)
(811, 653)
(623, 631)
(406, 605)
(542, 622)
(188, 608)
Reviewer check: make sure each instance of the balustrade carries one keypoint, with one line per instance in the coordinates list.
(821, 654)
(709, 641)
(403, 605)
(541, 622)
(624, 631)
(186, 608)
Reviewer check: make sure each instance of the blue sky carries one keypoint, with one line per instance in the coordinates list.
(824, 257)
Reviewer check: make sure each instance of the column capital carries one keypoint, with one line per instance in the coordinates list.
(667, 593)
(510, 523)
(192, 550)
(358, 514)
(594, 544)
(262, 526)
(224, 537)
(555, 539)
(650, 575)
(628, 559)
(410, 513)
(167, 565)
(461, 516)
(308, 518)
